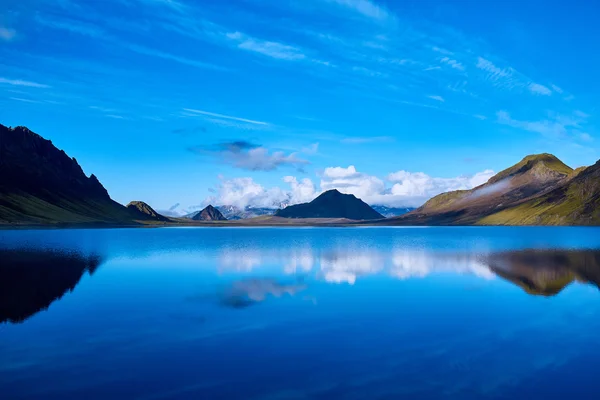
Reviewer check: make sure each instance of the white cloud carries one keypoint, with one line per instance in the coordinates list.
(19, 82)
(437, 98)
(7, 34)
(536, 88)
(265, 47)
(222, 116)
(408, 189)
(349, 180)
(301, 192)
(365, 7)
(414, 188)
(245, 192)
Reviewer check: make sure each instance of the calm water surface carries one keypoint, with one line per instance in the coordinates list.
(300, 313)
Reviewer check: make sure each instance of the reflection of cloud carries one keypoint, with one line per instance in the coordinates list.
(409, 264)
(239, 259)
(250, 291)
(345, 266)
(301, 261)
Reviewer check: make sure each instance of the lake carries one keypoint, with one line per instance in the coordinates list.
(300, 313)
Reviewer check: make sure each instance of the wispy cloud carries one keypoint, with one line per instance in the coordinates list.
(19, 82)
(556, 126)
(494, 73)
(268, 48)
(536, 88)
(367, 139)
(556, 89)
(312, 149)
(115, 116)
(453, 63)
(222, 116)
(168, 56)
(586, 137)
(366, 8)
(24, 100)
(437, 98)
(246, 155)
(7, 34)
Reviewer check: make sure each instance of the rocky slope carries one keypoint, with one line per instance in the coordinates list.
(532, 177)
(145, 212)
(40, 184)
(209, 214)
(332, 204)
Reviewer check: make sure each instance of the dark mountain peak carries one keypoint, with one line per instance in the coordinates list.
(142, 210)
(332, 204)
(209, 214)
(42, 184)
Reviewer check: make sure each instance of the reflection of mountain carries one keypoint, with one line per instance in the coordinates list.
(32, 280)
(546, 272)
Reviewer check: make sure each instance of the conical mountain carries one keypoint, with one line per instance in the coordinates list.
(533, 176)
(332, 204)
(209, 214)
(143, 211)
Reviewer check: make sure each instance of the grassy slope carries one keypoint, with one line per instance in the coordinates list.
(577, 202)
(23, 208)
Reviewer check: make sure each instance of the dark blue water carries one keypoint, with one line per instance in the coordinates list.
(300, 313)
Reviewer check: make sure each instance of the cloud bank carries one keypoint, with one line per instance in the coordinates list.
(398, 189)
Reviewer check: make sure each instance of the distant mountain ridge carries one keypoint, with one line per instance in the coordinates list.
(332, 204)
(40, 184)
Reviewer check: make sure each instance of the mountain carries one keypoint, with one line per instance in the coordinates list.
(40, 184)
(575, 202)
(145, 212)
(209, 214)
(392, 211)
(331, 204)
(534, 176)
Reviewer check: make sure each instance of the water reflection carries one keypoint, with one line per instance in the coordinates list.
(31, 280)
(546, 272)
(539, 272)
(246, 292)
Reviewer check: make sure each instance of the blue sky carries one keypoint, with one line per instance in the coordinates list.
(251, 102)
